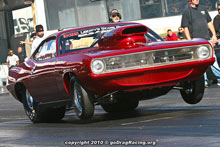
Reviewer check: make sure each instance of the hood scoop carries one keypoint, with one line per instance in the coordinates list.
(124, 38)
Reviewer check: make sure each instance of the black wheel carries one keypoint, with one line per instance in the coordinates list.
(82, 99)
(121, 105)
(192, 92)
(37, 115)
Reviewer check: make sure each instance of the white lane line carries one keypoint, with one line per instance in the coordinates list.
(23, 121)
(150, 120)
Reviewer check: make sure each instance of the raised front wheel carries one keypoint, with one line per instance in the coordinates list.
(192, 92)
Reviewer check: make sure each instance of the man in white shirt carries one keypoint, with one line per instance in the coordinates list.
(39, 38)
(12, 59)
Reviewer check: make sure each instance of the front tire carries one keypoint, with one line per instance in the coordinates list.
(37, 115)
(193, 91)
(82, 99)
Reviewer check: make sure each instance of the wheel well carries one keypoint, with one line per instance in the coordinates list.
(19, 87)
(66, 80)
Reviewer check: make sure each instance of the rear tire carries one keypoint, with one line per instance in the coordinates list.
(193, 91)
(82, 99)
(37, 115)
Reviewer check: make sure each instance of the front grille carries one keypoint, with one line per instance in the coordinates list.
(153, 58)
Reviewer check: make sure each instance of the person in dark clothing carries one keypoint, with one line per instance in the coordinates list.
(21, 55)
(197, 22)
(181, 34)
(216, 22)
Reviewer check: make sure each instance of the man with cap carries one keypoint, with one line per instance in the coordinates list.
(39, 38)
(115, 16)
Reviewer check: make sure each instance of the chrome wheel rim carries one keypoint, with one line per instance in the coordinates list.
(78, 100)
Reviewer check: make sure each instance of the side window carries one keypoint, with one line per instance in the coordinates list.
(46, 51)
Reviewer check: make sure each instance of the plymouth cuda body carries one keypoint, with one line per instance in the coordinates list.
(112, 65)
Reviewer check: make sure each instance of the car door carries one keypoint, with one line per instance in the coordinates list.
(43, 85)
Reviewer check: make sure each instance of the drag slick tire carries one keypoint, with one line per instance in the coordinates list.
(82, 99)
(121, 105)
(192, 92)
(37, 115)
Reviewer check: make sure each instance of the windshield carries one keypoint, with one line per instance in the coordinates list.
(86, 38)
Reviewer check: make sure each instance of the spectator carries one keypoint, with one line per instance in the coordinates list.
(181, 34)
(39, 38)
(171, 36)
(196, 22)
(115, 16)
(33, 36)
(12, 59)
(217, 23)
(21, 55)
(217, 29)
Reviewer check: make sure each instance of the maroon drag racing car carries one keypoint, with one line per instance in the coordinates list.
(112, 65)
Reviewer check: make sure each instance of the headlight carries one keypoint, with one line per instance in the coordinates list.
(203, 52)
(97, 66)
